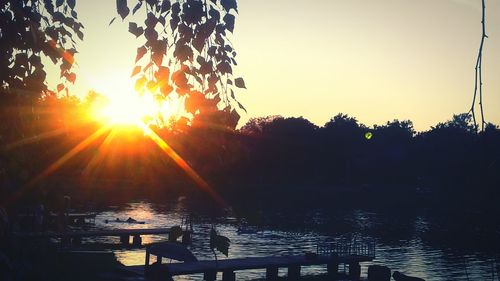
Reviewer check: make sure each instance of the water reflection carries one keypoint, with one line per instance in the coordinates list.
(403, 239)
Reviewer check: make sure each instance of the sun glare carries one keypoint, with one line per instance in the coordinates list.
(129, 109)
(136, 110)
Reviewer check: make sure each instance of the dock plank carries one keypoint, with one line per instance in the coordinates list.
(96, 233)
(250, 263)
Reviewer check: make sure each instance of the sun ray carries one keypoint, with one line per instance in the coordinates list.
(98, 156)
(200, 182)
(58, 163)
(36, 138)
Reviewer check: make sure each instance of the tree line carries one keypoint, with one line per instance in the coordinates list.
(266, 154)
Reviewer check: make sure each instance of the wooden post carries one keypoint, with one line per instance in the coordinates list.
(186, 237)
(65, 240)
(137, 240)
(228, 275)
(124, 239)
(76, 241)
(354, 271)
(272, 273)
(294, 272)
(333, 270)
(210, 275)
(146, 262)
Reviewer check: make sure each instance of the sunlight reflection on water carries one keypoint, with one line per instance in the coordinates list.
(411, 255)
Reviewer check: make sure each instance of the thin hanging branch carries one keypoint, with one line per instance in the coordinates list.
(478, 82)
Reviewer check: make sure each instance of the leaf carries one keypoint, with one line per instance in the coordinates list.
(71, 77)
(71, 4)
(229, 4)
(59, 3)
(240, 83)
(137, 7)
(214, 14)
(136, 70)
(176, 8)
(141, 51)
(112, 20)
(229, 82)
(137, 31)
(242, 107)
(229, 20)
(122, 8)
(151, 34)
(60, 87)
(157, 58)
(183, 53)
(165, 6)
(224, 67)
(139, 83)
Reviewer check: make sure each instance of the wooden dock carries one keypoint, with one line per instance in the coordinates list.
(351, 255)
(74, 237)
(72, 218)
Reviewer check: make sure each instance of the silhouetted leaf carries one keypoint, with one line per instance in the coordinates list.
(229, 20)
(241, 107)
(157, 58)
(112, 20)
(151, 34)
(240, 83)
(59, 3)
(60, 87)
(137, 31)
(122, 8)
(224, 67)
(79, 34)
(229, 4)
(136, 7)
(141, 51)
(165, 6)
(176, 8)
(71, 77)
(135, 71)
(214, 14)
(71, 4)
(183, 53)
(199, 43)
(229, 82)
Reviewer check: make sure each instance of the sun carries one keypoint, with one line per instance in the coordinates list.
(128, 108)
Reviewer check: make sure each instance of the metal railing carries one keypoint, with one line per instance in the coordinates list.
(347, 248)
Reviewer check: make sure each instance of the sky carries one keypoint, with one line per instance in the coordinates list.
(376, 60)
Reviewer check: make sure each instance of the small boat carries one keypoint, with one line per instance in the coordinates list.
(129, 221)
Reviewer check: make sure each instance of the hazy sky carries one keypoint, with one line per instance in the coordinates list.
(376, 60)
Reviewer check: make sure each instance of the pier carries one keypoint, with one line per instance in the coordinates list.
(331, 256)
(74, 237)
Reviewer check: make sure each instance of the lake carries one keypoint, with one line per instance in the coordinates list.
(427, 243)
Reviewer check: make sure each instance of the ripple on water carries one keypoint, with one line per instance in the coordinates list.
(411, 254)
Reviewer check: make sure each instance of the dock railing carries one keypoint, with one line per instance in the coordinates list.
(343, 248)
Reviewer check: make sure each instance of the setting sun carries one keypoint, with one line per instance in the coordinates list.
(117, 104)
(129, 109)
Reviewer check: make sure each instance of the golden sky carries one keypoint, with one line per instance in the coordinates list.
(376, 60)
